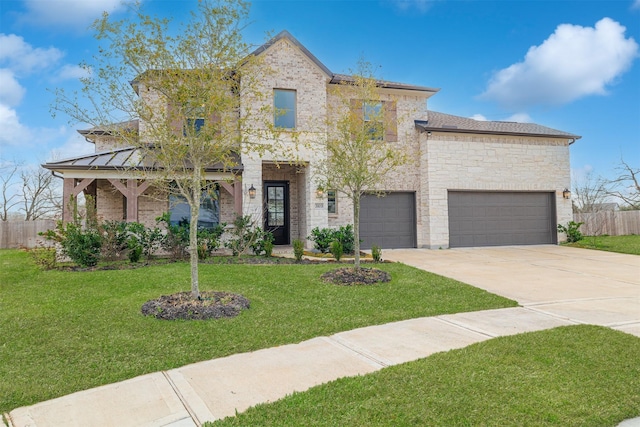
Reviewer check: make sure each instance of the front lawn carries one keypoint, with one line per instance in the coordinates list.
(623, 244)
(568, 376)
(64, 331)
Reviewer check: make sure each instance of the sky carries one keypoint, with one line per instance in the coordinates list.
(568, 65)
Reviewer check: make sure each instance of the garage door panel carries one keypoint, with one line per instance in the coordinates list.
(388, 221)
(501, 218)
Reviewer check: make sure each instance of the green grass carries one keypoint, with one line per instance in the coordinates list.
(568, 376)
(64, 331)
(622, 244)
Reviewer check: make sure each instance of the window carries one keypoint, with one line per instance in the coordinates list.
(331, 201)
(193, 125)
(373, 119)
(284, 103)
(209, 217)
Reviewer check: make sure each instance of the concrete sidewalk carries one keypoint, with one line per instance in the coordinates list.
(556, 286)
(211, 390)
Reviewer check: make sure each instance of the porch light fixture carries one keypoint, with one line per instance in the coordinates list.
(566, 193)
(319, 193)
(252, 192)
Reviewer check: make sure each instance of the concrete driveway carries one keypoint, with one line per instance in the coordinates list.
(581, 285)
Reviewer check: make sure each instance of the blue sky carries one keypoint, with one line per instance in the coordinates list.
(569, 65)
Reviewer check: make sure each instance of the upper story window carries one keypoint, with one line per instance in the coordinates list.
(284, 103)
(373, 119)
(379, 118)
(193, 126)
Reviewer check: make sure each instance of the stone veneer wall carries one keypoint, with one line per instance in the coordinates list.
(483, 163)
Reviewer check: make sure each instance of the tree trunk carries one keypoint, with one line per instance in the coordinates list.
(356, 230)
(193, 237)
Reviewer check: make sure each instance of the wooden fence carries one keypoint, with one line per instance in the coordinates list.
(18, 234)
(613, 223)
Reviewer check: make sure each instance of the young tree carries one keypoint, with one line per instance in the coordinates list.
(185, 87)
(359, 151)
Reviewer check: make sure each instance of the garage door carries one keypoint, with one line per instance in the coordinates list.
(501, 218)
(389, 221)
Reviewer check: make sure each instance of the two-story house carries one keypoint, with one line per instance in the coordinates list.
(468, 182)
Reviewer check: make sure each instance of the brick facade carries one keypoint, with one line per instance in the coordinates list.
(437, 161)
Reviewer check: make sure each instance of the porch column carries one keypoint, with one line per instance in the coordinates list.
(131, 191)
(70, 190)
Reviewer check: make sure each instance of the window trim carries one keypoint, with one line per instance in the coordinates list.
(293, 110)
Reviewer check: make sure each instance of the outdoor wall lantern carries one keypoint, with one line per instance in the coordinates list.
(252, 192)
(566, 193)
(319, 193)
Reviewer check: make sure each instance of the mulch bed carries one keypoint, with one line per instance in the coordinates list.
(348, 276)
(210, 305)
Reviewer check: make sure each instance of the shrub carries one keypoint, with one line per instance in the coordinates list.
(322, 238)
(135, 249)
(209, 240)
(268, 244)
(336, 249)
(376, 253)
(262, 242)
(43, 256)
(571, 230)
(243, 235)
(149, 239)
(345, 236)
(298, 249)
(114, 239)
(80, 244)
(176, 240)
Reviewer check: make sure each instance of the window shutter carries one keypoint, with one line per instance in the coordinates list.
(175, 119)
(357, 110)
(390, 121)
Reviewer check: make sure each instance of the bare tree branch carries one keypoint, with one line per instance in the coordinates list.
(626, 186)
(8, 197)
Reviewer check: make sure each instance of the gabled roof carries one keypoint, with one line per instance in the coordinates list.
(121, 159)
(286, 35)
(440, 122)
(335, 78)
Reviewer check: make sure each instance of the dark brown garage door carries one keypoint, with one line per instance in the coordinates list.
(389, 221)
(501, 218)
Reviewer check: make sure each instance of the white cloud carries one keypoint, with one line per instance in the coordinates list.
(74, 145)
(11, 92)
(636, 4)
(21, 57)
(75, 13)
(70, 72)
(519, 117)
(421, 6)
(573, 62)
(13, 132)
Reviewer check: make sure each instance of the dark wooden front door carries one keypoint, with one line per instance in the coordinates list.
(276, 211)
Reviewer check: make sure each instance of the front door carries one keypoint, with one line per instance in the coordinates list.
(276, 211)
